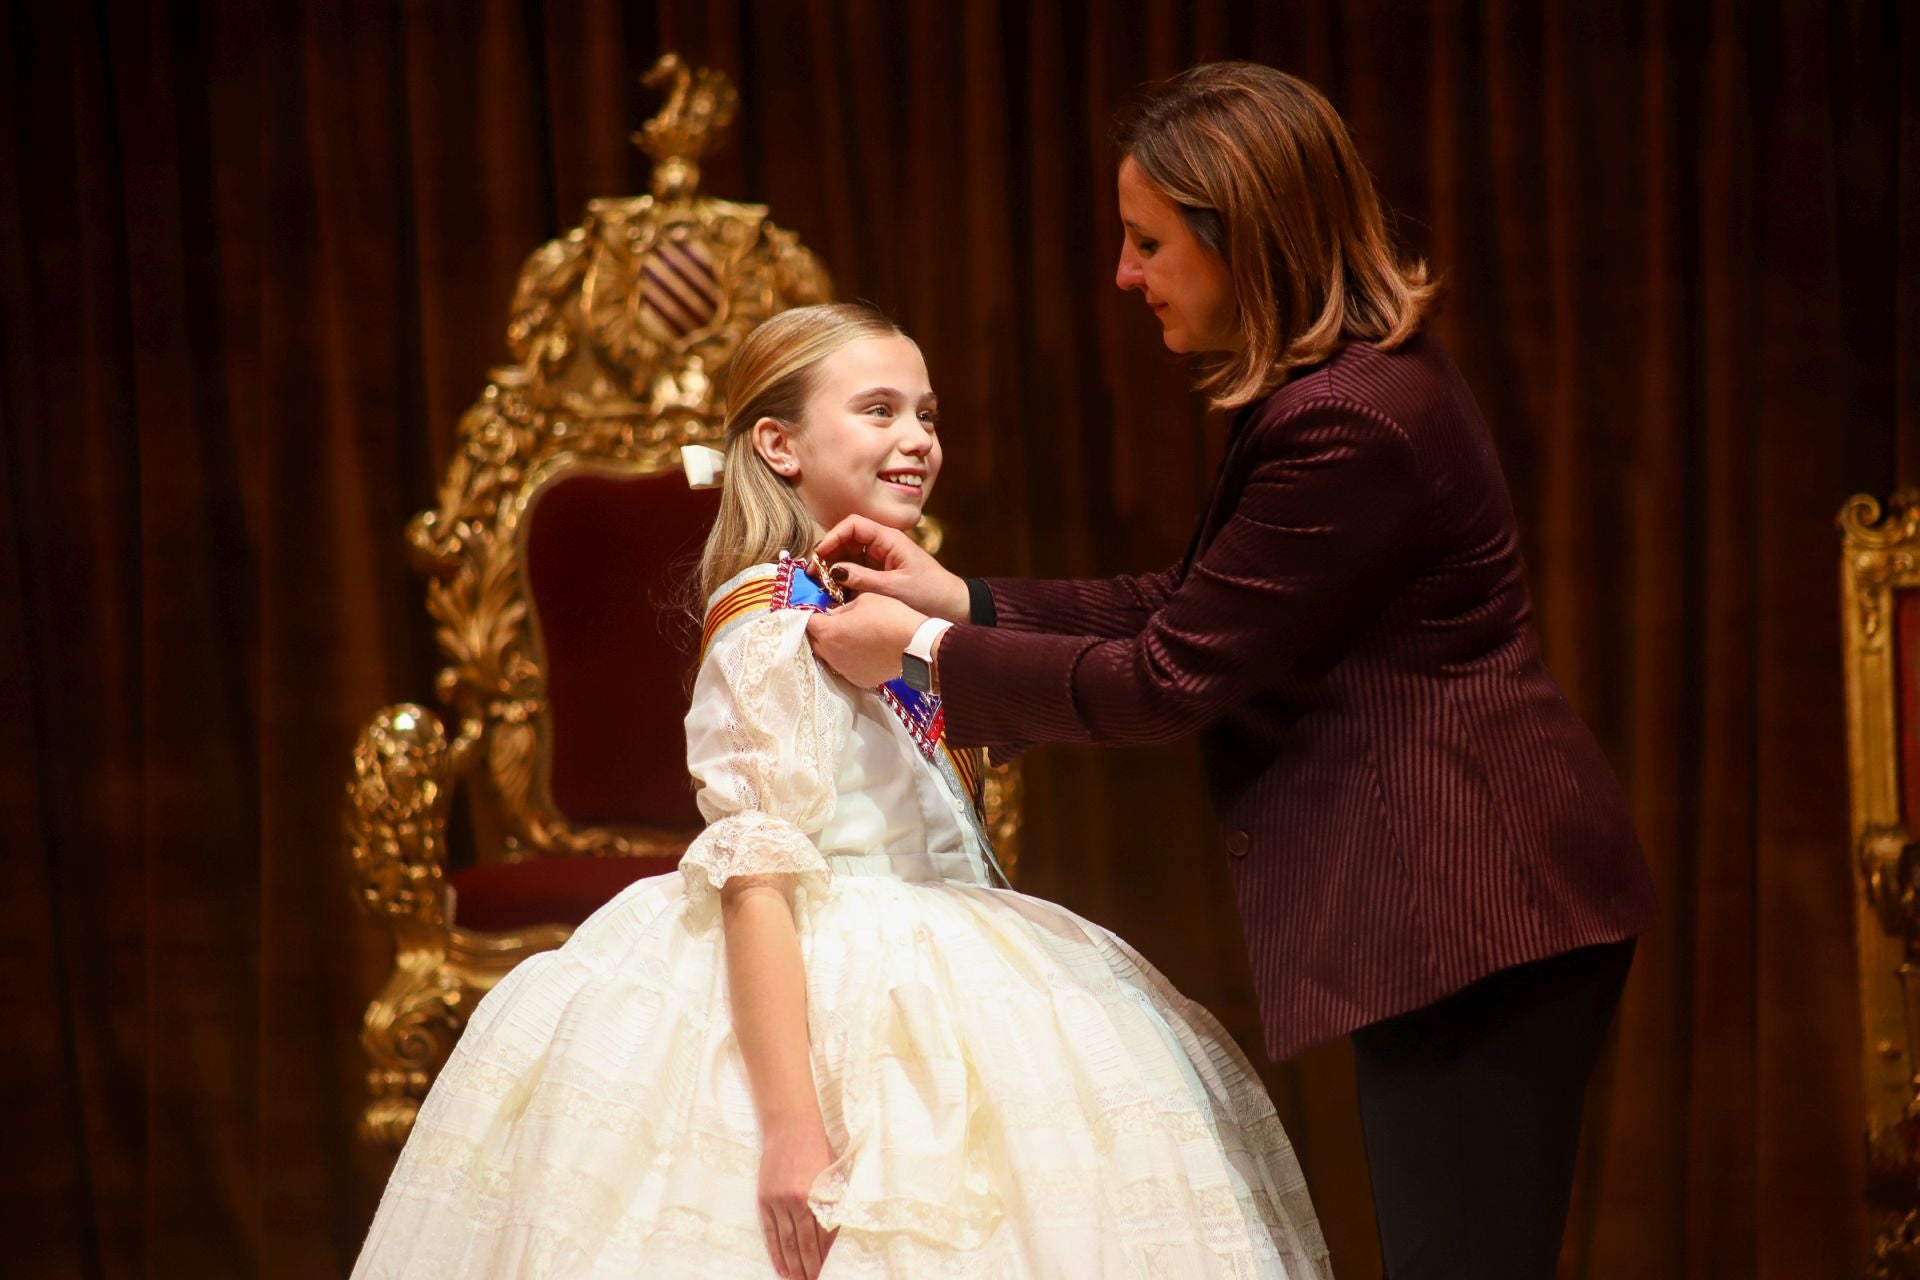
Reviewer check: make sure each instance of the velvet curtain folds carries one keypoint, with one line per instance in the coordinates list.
(255, 259)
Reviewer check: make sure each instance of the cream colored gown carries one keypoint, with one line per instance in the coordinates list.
(1011, 1091)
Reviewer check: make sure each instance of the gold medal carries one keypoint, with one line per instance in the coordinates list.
(817, 570)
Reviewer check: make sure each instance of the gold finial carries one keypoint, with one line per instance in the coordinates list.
(699, 105)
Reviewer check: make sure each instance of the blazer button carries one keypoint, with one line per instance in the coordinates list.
(1237, 843)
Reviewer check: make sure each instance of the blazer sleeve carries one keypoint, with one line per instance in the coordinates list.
(1328, 507)
(1110, 607)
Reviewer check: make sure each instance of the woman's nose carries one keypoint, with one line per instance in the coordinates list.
(1127, 275)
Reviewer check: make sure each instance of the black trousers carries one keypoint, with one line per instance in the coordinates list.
(1471, 1109)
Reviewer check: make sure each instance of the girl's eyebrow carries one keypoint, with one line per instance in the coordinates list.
(887, 393)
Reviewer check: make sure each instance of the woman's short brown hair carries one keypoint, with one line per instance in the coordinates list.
(1262, 168)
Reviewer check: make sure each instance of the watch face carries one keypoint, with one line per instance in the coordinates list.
(917, 673)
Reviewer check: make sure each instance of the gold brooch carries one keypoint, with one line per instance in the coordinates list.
(817, 570)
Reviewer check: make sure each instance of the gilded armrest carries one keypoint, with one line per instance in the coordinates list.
(404, 769)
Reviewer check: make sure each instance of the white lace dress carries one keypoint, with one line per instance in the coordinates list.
(1010, 1090)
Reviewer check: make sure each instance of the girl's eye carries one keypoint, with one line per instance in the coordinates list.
(885, 411)
(930, 417)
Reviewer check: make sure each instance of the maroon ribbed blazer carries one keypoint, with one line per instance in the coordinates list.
(1410, 803)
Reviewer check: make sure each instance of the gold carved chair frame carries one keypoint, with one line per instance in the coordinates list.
(608, 375)
(1880, 565)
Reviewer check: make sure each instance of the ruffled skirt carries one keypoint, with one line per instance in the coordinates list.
(1011, 1090)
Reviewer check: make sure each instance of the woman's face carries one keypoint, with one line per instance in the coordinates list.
(868, 444)
(1187, 287)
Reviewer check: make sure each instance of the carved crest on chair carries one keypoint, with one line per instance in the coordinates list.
(620, 333)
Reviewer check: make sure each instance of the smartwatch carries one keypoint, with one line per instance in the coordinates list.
(916, 663)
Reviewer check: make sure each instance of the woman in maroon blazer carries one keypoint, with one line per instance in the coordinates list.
(1428, 848)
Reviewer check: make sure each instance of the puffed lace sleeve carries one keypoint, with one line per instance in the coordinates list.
(764, 737)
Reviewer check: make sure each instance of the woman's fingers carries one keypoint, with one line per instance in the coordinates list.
(848, 536)
(861, 540)
(856, 577)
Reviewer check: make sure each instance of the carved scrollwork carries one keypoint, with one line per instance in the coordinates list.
(1896, 1249)
(1002, 795)
(1883, 551)
(403, 772)
(408, 1032)
(1888, 865)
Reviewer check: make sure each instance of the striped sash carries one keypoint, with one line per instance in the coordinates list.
(786, 585)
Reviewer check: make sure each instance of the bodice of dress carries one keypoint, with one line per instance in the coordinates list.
(801, 773)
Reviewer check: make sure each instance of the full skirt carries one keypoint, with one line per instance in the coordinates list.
(1011, 1091)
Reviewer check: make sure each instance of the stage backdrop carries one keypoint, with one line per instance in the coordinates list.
(255, 259)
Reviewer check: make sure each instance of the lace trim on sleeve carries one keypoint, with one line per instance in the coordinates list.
(752, 844)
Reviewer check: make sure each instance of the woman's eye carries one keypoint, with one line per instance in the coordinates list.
(1148, 246)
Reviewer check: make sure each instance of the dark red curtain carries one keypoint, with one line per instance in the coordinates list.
(255, 259)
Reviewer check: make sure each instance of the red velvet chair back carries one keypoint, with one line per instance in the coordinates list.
(610, 561)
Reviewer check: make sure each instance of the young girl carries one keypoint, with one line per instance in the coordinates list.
(829, 1047)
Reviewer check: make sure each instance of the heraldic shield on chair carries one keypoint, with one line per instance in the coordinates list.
(1880, 632)
(556, 560)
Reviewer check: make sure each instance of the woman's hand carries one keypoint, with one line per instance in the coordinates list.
(792, 1159)
(864, 638)
(868, 556)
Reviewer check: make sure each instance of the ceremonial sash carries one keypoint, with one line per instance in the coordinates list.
(787, 585)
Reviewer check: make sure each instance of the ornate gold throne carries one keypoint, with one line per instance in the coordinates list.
(1880, 628)
(555, 561)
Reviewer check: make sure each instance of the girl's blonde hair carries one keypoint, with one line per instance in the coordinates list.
(1268, 180)
(772, 376)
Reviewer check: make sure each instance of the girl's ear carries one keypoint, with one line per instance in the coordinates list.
(773, 441)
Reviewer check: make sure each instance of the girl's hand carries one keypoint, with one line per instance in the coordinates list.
(864, 638)
(877, 558)
(796, 1241)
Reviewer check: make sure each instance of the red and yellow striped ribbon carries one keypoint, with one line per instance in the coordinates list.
(756, 596)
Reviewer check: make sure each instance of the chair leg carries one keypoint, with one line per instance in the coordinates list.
(409, 1030)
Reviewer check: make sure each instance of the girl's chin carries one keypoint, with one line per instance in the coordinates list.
(898, 514)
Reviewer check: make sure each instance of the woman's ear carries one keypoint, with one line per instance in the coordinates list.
(773, 441)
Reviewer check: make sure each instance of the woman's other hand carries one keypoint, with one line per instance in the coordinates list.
(864, 638)
(790, 1162)
(869, 556)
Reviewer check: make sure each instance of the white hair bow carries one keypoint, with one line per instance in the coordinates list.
(702, 465)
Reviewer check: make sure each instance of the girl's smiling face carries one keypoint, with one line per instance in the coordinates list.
(868, 444)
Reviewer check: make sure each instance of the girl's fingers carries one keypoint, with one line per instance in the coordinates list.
(826, 1240)
(789, 1244)
(809, 1239)
(773, 1243)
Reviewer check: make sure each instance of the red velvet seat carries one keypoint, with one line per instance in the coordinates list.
(522, 895)
(609, 561)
